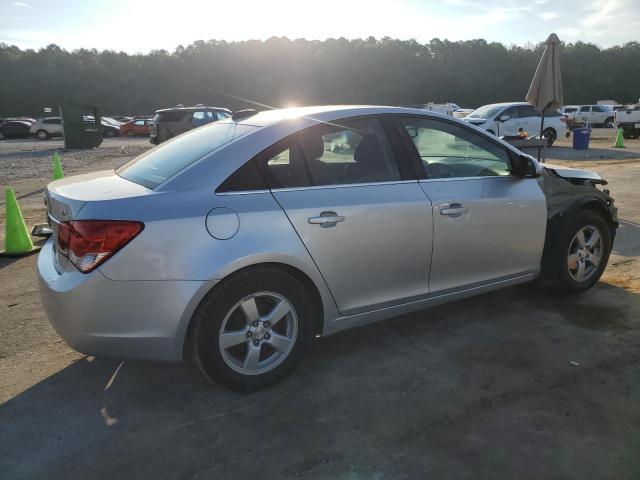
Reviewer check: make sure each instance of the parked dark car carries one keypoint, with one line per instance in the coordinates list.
(14, 129)
(169, 122)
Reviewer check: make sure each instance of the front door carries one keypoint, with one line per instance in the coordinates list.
(488, 225)
(366, 224)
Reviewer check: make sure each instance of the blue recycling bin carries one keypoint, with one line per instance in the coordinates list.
(581, 138)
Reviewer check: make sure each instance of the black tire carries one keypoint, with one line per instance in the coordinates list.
(207, 322)
(2, 136)
(131, 133)
(556, 269)
(42, 134)
(551, 135)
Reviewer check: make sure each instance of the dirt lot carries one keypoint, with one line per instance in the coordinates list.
(519, 383)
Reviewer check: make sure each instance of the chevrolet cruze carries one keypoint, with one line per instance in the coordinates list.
(237, 243)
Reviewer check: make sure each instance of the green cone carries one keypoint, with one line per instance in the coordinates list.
(619, 140)
(57, 167)
(16, 236)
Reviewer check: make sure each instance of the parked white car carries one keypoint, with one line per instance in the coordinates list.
(629, 121)
(506, 119)
(569, 111)
(594, 114)
(45, 128)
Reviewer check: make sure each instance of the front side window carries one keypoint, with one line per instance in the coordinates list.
(347, 152)
(447, 150)
(584, 109)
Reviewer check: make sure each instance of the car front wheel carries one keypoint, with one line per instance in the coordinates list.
(43, 134)
(584, 252)
(550, 135)
(252, 330)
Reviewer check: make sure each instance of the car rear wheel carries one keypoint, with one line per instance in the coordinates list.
(252, 330)
(584, 252)
(550, 135)
(131, 133)
(43, 134)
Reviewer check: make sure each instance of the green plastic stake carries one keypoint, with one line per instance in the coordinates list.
(57, 167)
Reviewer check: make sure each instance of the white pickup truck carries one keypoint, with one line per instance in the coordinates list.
(629, 122)
(594, 115)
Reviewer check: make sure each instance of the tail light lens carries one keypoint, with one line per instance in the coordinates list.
(563, 119)
(88, 243)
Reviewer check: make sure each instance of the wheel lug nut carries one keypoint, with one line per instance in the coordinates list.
(256, 342)
(255, 323)
(267, 336)
(249, 334)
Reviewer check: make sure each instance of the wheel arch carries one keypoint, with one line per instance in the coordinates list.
(298, 274)
(556, 225)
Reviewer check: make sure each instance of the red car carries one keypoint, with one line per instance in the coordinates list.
(138, 127)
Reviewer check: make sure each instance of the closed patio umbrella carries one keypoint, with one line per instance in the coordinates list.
(545, 91)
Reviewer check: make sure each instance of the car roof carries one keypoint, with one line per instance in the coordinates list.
(324, 113)
(192, 109)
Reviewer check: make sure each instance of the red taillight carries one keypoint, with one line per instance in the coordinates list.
(563, 119)
(88, 243)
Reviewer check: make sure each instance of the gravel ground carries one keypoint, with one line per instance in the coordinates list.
(518, 383)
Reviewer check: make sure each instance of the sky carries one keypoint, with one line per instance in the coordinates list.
(145, 25)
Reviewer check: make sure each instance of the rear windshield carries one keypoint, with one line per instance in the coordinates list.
(161, 163)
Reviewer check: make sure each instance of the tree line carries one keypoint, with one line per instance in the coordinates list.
(282, 72)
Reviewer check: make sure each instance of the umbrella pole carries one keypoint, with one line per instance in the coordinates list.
(541, 129)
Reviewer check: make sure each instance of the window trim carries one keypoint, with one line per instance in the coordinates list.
(414, 155)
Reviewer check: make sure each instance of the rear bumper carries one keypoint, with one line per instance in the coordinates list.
(127, 319)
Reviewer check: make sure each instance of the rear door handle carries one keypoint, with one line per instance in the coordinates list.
(453, 209)
(326, 219)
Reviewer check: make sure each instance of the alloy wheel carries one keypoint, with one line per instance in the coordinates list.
(258, 333)
(585, 253)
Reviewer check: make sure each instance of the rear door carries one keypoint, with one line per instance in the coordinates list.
(360, 213)
(488, 224)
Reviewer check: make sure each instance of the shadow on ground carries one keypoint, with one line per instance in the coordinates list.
(518, 383)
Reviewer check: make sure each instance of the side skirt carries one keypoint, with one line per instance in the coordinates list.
(344, 323)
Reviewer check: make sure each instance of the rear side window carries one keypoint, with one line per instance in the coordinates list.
(53, 121)
(161, 163)
(527, 111)
(353, 151)
(170, 116)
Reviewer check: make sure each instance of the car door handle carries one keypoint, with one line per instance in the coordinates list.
(453, 209)
(326, 219)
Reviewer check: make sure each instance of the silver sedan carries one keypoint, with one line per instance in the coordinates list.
(239, 242)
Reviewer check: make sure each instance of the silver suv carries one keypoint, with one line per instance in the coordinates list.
(45, 128)
(170, 122)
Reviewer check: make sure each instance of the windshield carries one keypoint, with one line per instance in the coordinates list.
(160, 163)
(488, 111)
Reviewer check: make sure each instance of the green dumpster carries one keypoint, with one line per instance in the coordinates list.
(81, 126)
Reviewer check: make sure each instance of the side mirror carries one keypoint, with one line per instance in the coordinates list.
(504, 118)
(525, 166)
